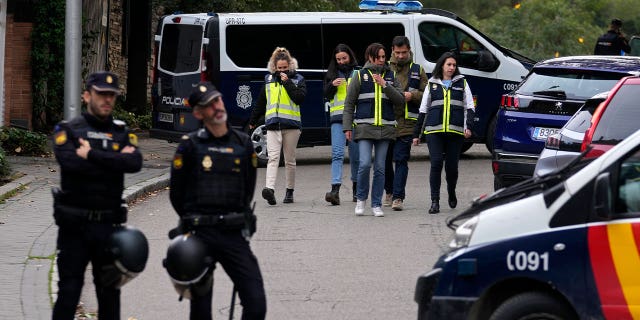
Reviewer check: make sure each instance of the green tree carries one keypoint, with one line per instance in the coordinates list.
(47, 63)
(541, 29)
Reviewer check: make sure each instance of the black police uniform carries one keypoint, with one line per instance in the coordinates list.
(212, 184)
(611, 43)
(88, 208)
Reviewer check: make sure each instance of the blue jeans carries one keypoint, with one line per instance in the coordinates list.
(338, 141)
(365, 148)
(401, 153)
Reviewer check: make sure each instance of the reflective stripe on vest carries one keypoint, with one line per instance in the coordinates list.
(448, 99)
(280, 108)
(373, 106)
(337, 103)
(411, 109)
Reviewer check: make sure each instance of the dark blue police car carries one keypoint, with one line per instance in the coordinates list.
(544, 101)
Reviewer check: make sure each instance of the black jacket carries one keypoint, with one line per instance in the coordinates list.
(611, 43)
(98, 181)
(213, 175)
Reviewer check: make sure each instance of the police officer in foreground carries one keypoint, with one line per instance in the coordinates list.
(613, 42)
(94, 152)
(213, 179)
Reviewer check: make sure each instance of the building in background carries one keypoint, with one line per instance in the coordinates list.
(118, 36)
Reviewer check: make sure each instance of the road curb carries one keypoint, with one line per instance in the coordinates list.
(135, 191)
(16, 184)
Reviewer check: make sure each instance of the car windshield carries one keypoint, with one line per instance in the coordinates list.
(568, 84)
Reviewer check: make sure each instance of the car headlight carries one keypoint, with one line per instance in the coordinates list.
(463, 234)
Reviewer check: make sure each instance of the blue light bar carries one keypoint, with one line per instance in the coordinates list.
(390, 5)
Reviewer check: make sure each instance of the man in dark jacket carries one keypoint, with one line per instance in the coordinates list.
(413, 80)
(213, 179)
(613, 42)
(94, 152)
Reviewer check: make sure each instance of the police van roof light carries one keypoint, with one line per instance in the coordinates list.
(176, 19)
(390, 5)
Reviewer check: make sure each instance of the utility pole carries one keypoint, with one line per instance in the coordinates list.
(72, 58)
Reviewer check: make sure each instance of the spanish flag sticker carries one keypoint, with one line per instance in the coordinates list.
(133, 139)
(60, 137)
(177, 161)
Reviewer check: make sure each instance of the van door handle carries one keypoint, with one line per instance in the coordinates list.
(244, 77)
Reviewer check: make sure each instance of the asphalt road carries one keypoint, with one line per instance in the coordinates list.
(318, 261)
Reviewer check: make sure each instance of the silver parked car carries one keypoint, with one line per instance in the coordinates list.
(562, 147)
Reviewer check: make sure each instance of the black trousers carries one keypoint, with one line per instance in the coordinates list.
(233, 252)
(444, 147)
(77, 245)
(389, 174)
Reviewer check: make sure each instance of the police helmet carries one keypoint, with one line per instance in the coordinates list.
(189, 266)
(128, 250)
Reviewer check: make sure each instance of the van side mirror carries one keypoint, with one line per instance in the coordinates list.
(602, 196)
(486, 61)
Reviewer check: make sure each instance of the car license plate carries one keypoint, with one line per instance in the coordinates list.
(165, 117)
(540, 133)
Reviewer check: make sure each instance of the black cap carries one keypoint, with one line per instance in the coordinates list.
(203, 93)
(616, 22)
(103, 81)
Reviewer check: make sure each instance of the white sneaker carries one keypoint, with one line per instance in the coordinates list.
(360, 207)
(377, 211)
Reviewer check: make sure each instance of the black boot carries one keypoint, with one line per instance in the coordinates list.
(355, 199)
(453, 200)
(268, 194)
(435, 206)
(333, 196)
(288, 197)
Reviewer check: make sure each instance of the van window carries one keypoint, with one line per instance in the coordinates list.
(620, 119)
(438, 38)
(358, 36)
(250, 46)
(181, 47)
(302, 41)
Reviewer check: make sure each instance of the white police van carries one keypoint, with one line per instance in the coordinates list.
(232, 50)
(562, 246)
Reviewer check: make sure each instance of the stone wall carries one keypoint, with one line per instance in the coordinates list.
(116, 62)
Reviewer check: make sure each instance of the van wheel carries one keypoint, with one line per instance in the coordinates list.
(466, 146)
(533, 305)
(259, 140)
(491, 133)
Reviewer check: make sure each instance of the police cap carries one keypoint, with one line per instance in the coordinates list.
(203, 93)
(103, 81)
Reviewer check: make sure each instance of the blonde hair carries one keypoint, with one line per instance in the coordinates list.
(281, 53)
